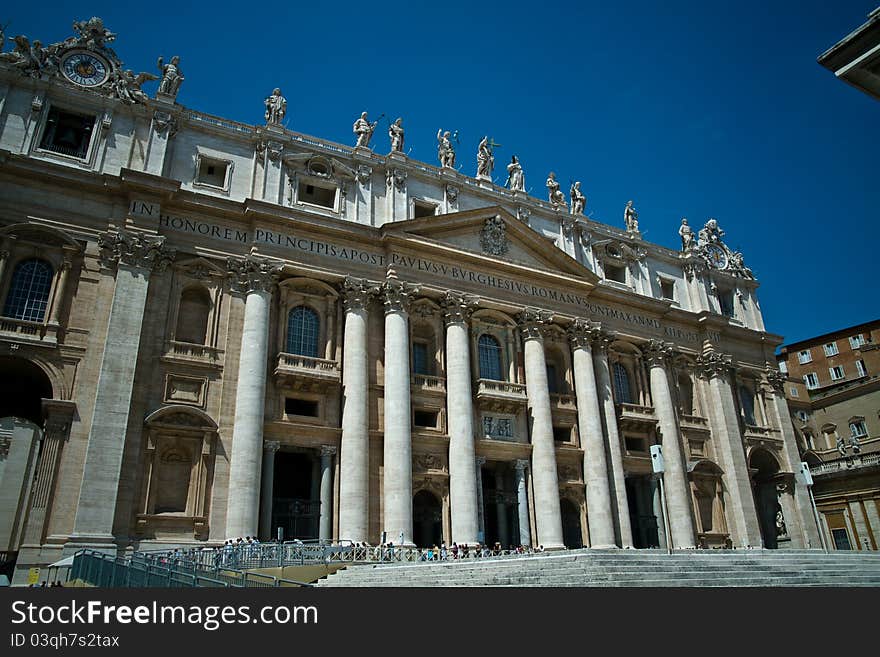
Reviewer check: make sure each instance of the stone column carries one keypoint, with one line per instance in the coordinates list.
(460, 419)
(678, 496)
(808, 536)
(739, 505)
(135, 258)
(4, 256)
(598, 491)
(481, 532)
(270, 147)
(60, 292)
(619, 504)
(255, 278)
(59, 416)
(354, 455)
(397, 457)
(325, 532)
(548, 516)
(501, 509)
(657, 508)
(268, 486)
(522, 501)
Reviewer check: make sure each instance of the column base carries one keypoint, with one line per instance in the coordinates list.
(100, 543)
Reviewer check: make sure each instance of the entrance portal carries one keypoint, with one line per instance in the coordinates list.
(500, 506)
(427, 519)
(296, 507)
(640, 497)
(766, 497)
(572, 535)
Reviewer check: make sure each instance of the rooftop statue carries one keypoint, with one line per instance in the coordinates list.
(631, 218)
(128, 85)
(516, 181)
(687, 236)
(276, 107)
(717, 255)
(364, 130)
(445, 151)
(395, 132)
(556, 197)
(172, 76)
(485, 159)
(578, 200)
(711, 233)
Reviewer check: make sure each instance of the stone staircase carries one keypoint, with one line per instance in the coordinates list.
(628, 568)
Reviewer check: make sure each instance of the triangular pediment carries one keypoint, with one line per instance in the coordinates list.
(492, 233)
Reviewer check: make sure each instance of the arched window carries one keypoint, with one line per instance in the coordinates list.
(622, 390)
(748, 405)
(302, 332)
(29, 292)
(685, 394)
(192, 316)
(490, 358)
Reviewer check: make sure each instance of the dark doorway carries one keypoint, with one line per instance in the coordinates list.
(766, 497)
(640, 498)
(427, 519)
(294, 508)
(23, 386)
(500, 507)
(571, 524)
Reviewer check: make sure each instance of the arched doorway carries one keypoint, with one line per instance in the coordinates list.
(427, 519)
(571, 524)
(23, 386)
(766, 468)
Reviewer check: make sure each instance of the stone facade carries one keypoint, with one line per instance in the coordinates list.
(244, 328)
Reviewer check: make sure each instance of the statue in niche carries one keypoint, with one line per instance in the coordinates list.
(364, 131)
(556, 197)
(395, 132)
(445, 151)
(515, 179)
(781, 529)
(687, 236)
(485, 159)
(578, 200)
(276, 107)
(631, 218)
(172, 76)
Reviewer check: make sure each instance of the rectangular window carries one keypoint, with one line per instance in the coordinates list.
(615, 273)
(783, 367)
(841, 539)
(562, 434)
(860, 366)
(811, 380)
(794, 392)
(420, 358)
(634, 444)
(212, 172)
(552, 381)
(317, 195)
(831, 349)
(803, 416)
(426, 419)
(306, 407)
(857, 429)
(805, 356)
(725, 300)
(667, 289)
(423, 209)
(836, 372)
(68, 133)
(856, 341)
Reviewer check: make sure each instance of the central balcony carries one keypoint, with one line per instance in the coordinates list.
(636, 417)
(428, 383)
(306, 373)
(501, 396)
(193, 354)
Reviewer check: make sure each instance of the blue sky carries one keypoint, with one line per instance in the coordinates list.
(692, 109)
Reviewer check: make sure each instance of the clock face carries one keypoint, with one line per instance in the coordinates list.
(85, 69)
(717, 256)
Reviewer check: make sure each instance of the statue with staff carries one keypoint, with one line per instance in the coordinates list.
(395, 132)
(516, 181)
(485, 158)
(445, 151)
(364, 130)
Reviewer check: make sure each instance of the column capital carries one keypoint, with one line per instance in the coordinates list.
(252, 274)
(135, 250)
(458, 306)
(602, 340)
(657, 353)
(271, 446)
(533, 322)
(59, 416)
(714, 364)
(328, 450)
(398, 295)
(582, 332)
(480, 461)
(775, 378)
(357, 293)
(521, 465)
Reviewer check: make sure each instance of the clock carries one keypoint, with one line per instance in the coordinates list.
(85, 68)
(716, 256)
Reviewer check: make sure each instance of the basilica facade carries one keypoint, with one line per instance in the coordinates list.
(212, 329)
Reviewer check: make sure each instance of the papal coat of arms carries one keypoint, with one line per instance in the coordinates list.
(493, 237)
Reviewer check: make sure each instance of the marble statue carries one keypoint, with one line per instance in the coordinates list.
(172, 76)
(841, 447)
(364, 131)
(23, 56)
(556, 197)
(485, 159)
(276, 107)
(687, 236)
(516, 181)
(444, 149)
(395, 132)
(711, 233)
(578, 200)
(631, 218)
(128, 86)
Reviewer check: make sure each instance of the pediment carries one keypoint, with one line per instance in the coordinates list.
(492, 233)
(199, 268)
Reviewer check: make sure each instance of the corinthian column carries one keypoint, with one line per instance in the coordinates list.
(134, 257)
(325, 531)
(620, 506)
(459, 402)
(548, 517)
(270, 447)
(598, 491)
(397, 459)
(678, 497)
(255, 278)
(354, 454)
(522, 502)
